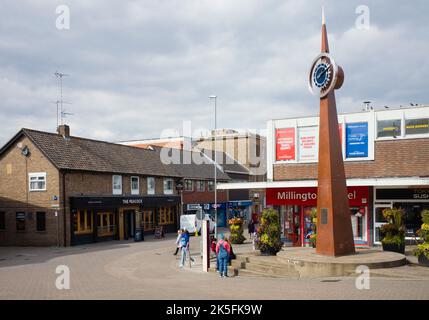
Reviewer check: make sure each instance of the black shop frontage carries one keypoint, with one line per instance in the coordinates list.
(100, 218)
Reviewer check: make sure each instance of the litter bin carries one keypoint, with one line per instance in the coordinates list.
(138, 235)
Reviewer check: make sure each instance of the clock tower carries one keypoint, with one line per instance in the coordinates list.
(334, 229)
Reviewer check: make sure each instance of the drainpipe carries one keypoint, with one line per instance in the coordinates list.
(64, 208)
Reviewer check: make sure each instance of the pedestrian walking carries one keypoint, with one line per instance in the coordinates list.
(188, 249)
(251, 228)
(184, 244)
(223, 250)
(178, 245)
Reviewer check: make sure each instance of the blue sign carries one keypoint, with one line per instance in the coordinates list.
(357, 140)
(244, 203)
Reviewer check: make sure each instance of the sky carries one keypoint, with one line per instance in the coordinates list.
(139, 69)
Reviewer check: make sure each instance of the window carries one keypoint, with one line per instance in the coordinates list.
(388, 128)
(150, 185)
(417, 126)
(37, 181)
(2, 221)
(148, 219)
(20, 221)
(135, 188)
(106, 224)
(117, 184)
(211, 185)
(201, 185)
(166, 215)
(168, 186)
(40, 221)
(189, 185)
(83, 222)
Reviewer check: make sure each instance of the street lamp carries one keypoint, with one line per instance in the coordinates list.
(215, 163)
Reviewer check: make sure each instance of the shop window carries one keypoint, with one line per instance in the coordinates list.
(40, 221)
(37, 181)
(201, 185)
(148, 219)
(168, 186)
(106, 225)
(417, 126)
(117, 184)
(2, 221)
(20, 221)
(166, 215)
(388, 128)
(189, 185)
(135, 188)
(211, 186)
(83, 222)
(150, 185)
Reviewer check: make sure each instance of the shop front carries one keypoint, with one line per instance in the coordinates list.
(241, 209)
(209, 208)
(412, 200)
(295, 206)
(95, 219)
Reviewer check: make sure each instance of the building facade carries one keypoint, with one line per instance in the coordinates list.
(62, 190)
(386, 156)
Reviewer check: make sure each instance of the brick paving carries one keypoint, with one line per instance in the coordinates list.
(148, 270)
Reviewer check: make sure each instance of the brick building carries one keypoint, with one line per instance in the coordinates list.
(57, 189)
(386, 159)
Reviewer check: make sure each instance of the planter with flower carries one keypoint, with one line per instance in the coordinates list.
(269, 232)
(313, 235)
(394, 230)
(422, 251)
(236, 229)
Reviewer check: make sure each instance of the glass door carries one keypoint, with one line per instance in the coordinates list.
(379, 220)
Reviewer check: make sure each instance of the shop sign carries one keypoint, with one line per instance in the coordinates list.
(402, 194)
(308, 196)
(245, 203)
(193, 206)
(285, 144)
(417, 126)
(357, 140)
(132, 201)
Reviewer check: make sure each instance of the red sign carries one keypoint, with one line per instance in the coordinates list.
(358, 196)
(285, 144)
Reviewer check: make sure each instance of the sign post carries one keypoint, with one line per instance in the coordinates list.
(205, 233)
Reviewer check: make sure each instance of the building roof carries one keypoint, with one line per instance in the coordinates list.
(228, 164)
(76, 153)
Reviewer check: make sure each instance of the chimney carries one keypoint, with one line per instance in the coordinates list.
(64, 130)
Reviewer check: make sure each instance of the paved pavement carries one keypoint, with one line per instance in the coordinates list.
(148, 270)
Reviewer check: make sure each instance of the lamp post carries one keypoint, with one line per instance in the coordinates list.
(215, 163)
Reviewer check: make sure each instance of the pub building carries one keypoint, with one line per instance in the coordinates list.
(385, 154)
(62, 190)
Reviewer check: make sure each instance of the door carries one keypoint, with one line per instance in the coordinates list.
(379, 220)
(129, 224)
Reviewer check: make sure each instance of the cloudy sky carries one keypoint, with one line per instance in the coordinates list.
(138, 68)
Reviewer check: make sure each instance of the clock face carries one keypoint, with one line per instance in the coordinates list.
(323, 75)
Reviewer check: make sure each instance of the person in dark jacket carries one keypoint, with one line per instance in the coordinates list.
(251, 228)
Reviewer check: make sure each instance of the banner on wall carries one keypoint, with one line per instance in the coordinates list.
(285, 144)
(357, 140)
(308, 143)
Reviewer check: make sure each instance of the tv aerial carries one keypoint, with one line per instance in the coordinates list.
(61, 113)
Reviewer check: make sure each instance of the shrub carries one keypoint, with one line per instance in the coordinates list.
(423, 233)
(236, 229)
(269, 232)
(394, 231)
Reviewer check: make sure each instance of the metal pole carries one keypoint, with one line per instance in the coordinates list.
(215, 171)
